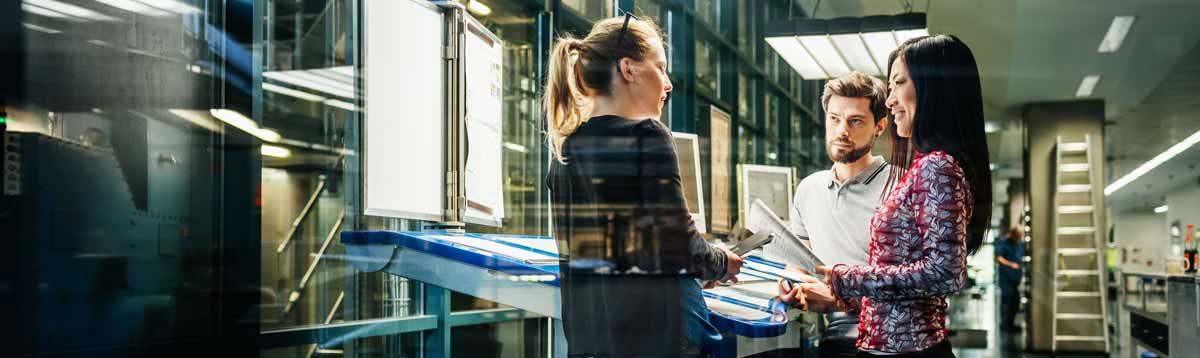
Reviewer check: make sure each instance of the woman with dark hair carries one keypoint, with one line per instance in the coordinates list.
(934, 215)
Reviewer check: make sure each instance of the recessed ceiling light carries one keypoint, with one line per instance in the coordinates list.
(1087, 86)
(1116, 33)
(1160, 210)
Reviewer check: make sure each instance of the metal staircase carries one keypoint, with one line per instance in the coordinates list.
(1079, 303)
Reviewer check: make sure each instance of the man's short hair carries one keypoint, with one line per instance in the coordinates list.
(858, 85)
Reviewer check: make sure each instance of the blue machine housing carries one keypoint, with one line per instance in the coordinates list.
(428, 242)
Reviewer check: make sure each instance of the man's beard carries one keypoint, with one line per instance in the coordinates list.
(854, 155)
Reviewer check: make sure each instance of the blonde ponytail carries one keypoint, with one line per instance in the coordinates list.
(565, 95)
(582, 69)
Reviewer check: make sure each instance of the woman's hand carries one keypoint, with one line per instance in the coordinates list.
(733, 266)
(790, 294)
(818, 297)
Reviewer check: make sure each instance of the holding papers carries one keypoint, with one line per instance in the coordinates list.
(760, 219)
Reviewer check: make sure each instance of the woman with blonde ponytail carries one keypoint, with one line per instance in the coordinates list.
(632, 257)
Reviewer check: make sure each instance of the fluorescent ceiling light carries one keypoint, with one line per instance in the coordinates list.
(1160, 210)
(881, 45)
(40, 29)
(333, 81)
(71, 10)
(827, 56)
(172, 6)
(1087, 86)
(201, 119)
(341, 104)
(41, 11)
(277, 152)
(905, 35)
(795, 54)
(291, 92)
(478, 9)
(1116, 33)
(247, 125)
(134, 7)
(838, 46)
(854, 51)
(1153, 163)
(515, 147)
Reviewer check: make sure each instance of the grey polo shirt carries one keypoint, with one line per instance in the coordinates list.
(834, 218)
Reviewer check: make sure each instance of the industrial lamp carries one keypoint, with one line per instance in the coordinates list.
(827, 48)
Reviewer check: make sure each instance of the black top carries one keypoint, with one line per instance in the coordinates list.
(629, 244)
(619, 205)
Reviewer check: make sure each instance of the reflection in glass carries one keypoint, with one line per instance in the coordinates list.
(708, 65)
(745, 28)
(591, 10)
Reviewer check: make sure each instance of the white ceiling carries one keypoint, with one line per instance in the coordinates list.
(1038, 51)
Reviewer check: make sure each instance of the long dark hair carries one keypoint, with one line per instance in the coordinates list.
(949, 118)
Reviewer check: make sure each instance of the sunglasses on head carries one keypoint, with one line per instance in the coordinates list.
(624, 27)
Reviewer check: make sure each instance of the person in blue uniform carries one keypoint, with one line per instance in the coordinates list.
(1010, 252)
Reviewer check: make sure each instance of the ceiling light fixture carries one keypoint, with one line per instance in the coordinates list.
(41, 11)
(134, 7)
(274, 151)
(515, 147)
(822, 49)
(1117, 31)
(239, 121)
(1153, 163)
(478, 8)
(1160, 210)
(1087, 86)
(341, 104)
(41, 29)
(71, 10)
(333, 80)
(198, 118)
(291, 92)
(172, 6)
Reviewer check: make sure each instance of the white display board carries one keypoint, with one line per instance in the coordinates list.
(404, 131)
(771, 184)
(687, 148)
(485, 178)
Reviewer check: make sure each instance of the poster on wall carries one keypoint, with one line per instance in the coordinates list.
(484, 176)
(721, 163)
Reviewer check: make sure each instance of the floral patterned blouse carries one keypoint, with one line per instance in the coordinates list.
(918, 256)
